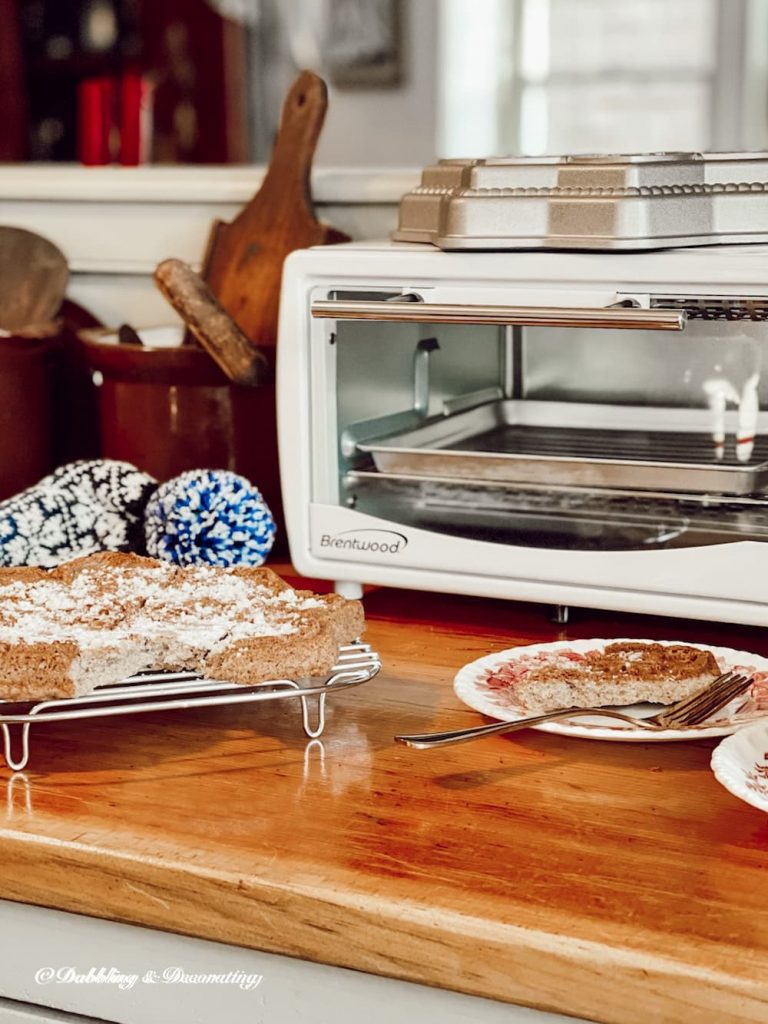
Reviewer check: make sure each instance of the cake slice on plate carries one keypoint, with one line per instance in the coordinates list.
(619, 673)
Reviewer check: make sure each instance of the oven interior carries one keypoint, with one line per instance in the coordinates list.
(560, 437)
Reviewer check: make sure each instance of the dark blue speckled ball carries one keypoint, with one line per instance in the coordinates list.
(210, 517)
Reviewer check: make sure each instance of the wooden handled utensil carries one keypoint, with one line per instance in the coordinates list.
(33, 279)
(211, 325)
(244, 260)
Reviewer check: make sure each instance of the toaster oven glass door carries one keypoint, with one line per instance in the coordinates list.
(618, 428)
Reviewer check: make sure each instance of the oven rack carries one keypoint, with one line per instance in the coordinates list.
(175, 691)
(559, 444)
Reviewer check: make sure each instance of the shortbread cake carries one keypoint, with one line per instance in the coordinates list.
(99, 619)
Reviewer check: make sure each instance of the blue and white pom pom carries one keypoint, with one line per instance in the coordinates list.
(210, 517)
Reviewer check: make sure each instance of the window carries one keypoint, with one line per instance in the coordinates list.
(580, 76)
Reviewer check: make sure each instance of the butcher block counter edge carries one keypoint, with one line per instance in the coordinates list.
(423, 944)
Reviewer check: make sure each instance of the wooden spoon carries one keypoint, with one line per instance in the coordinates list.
(33, 279)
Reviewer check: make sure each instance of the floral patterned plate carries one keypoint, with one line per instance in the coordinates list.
(740, 763)
(471, 686)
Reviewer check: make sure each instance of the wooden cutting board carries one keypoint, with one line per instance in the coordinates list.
(244, 260)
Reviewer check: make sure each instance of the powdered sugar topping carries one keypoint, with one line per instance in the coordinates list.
(102, 604)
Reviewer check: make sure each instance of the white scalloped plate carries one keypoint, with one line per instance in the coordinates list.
(740, 763)
(469, 688)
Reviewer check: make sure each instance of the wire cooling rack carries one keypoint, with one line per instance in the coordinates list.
(165, 691)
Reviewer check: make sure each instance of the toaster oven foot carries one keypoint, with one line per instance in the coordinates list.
(352, 591)
(560, 614)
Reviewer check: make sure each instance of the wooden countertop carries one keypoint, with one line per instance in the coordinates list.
(617, 882)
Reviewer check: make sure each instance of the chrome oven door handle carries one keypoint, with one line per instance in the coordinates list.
(613, 317)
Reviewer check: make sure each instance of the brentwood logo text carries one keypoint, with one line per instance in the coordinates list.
(385, 542)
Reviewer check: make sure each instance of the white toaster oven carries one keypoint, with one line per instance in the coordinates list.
(574, 428)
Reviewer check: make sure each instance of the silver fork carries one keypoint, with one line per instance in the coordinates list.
(685, 714)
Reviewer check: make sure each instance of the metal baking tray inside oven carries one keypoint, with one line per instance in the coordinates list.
(569, 443)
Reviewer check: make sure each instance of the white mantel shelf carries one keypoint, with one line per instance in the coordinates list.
(198, 184)
(115, 224)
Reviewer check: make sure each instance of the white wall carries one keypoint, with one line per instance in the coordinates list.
(390, 127)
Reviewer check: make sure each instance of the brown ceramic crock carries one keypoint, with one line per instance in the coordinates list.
(26, 428)
(167, 410)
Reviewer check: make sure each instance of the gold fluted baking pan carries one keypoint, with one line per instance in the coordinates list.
(646, 201)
